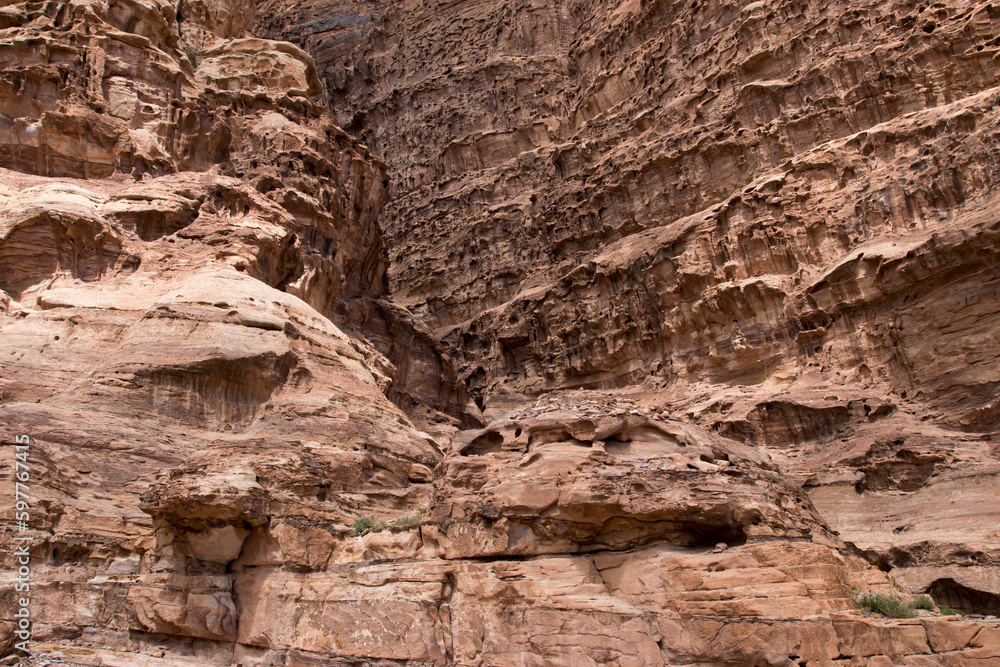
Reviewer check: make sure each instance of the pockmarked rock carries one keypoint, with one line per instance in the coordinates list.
(500, 333)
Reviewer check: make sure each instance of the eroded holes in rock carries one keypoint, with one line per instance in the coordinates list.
(815, 321)
(220, 393)
(288, 266)
(267, 184)
(517, 433)
(907, 471)
(476, 383)
(739, 430)
(150, 224)
(486, 443)
(709, 536)
(949, 593)
(884, 562)
(33, 253)
(703, 533)
(901, 557)
(616, 446)
(785, 423)
(884, 410)
(69, 553)
(545, 436)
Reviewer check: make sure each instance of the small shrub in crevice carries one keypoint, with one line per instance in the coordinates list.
(410, 520)
(923, 602)
(365, 523)
(192, 56)
(886, 604)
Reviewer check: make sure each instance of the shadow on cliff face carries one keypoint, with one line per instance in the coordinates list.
(562, 482)
(950, 593)
(906, 470)
(785, 424)
(220, 394)
(40, 240)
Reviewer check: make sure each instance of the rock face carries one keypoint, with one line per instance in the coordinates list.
(776, 219)
(627, 333)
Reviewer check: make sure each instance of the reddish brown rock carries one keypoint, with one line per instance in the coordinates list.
(605, 333)
(776, 220)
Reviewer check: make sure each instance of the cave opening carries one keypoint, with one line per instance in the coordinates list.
(949, 593)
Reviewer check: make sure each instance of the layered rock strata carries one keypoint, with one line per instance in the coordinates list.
(776, 219)
(654, 331)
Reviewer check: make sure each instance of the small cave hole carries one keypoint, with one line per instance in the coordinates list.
(487, 443)
(950, 593)
(68, 554)
(616, 446)
(709, 536)
(517, 433)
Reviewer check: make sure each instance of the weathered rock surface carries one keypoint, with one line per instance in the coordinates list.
(778, 220)
(625, 333)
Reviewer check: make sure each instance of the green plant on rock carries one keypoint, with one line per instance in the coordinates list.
(948, 611)
(886, 604)
(411, 520)
(923, 602)
(366, 523)
(192, 56)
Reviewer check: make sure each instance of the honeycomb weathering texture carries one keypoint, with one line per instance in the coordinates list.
(500, 333)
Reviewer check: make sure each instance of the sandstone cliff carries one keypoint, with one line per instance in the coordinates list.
(602, 333)
(778, 220)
